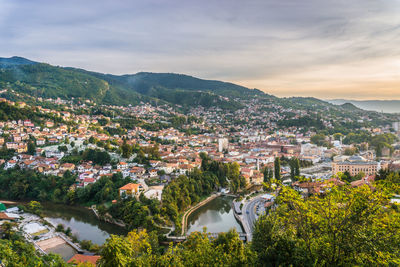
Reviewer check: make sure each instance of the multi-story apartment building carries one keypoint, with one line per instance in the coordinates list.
(354, 165)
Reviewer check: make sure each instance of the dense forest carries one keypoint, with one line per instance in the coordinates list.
(44, 80)
(23, 184)
(305, 122)
(9, 112)
(346, 227)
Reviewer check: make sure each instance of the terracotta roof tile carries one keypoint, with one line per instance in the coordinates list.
(80, 258)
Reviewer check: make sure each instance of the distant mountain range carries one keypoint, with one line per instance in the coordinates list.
(387, 106)
(43, 80)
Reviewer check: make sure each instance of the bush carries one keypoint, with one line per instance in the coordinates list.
(68, 231)
(60, 228)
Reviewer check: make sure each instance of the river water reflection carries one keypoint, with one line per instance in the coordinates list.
(216, 215)
(82, 221)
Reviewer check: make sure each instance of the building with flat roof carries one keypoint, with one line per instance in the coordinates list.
(354, 165)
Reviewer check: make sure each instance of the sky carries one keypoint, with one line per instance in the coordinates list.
(326, 49)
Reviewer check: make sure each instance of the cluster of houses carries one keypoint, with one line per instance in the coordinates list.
(252, 146)
(320, 187)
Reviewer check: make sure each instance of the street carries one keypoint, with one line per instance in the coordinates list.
(249, 215)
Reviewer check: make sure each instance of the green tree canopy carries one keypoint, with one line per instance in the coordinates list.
(346, 227)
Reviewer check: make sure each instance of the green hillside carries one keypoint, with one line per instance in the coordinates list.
(48, 81)
(350, 106)
(15, 61)
(44, 80)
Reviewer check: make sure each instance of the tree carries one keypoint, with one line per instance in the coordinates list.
(31, 148)
(123, 251)
(319, 140)
(97, 156)
(161, 172)
(294, 164)
(19, 253)
(126, 150)
(277, 168)
(338, 136)
(92, 140)
(268, 174)
(292, 170)
(35, 207)
(60, 228)
(139, 249)
(62, 148)
(68, 231)
(7, 228)
(205, 159)
(350, 151)
(346, 176)
(346, 227)
(102, 210)
(297, 167)
(382, 174)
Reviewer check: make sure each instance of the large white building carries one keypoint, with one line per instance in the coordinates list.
(396, 126)
(356, 164)
(312, 150)
(223, 144)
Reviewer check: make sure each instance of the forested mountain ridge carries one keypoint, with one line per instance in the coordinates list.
(15, 61)
(44, 80)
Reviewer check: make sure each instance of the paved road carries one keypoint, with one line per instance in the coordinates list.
(249, 215)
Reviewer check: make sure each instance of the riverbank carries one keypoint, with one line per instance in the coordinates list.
(105, 219)
(82, 221)
(189, 211)
(12, 202)
(43, 234)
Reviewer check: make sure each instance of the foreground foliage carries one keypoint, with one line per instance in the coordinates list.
(198, 250)
(346, 227)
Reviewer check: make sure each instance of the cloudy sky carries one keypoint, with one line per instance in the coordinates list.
(327, 49)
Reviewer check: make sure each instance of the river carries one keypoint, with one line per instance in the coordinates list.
(216, 215)
(82, 221)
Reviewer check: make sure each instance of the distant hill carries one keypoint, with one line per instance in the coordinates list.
(387, 106)
(349, 106)
(181, 89)
(44, 80)
(15, 61)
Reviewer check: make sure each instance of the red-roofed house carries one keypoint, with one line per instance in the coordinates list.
(80, 258)
(131, 189)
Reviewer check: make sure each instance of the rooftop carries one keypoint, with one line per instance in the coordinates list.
(80, 258)
(130, 186)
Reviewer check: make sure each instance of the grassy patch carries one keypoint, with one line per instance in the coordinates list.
(40, 232)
